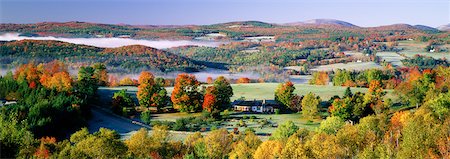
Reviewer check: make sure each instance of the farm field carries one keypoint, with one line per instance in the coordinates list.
(391, 57)
(352, 66)
(257, 90)
(231, 123)
(248, 91)
(411, 48)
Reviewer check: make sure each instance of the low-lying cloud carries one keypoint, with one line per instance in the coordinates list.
(114, 42)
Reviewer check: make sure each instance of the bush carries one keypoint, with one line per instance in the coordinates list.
(277, 111)
(146, 117)
(180, 124)
(226, 114)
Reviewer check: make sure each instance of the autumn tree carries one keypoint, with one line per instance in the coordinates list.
(224, 92)
(209, 100)
(284, 131)
(284, 94)
(209, 80)
(296, 145)
(342, 77)
(121, 100)
(320, 78)
(28, 74)
(217, 144)
(151, 92)
(374, 97)
(127, 81)
(60, 81)
(310, 104)
(245, 145)
(269, 149)
(243, 80)
(351, 107)
(331, 125)
(185, 95)
(103, 144)
(101, 74)
(55, 76)
(138, 144)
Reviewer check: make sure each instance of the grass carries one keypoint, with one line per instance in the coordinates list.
(391, 57)
(411, 48)
(258, 91)
(352, 66)
(249, 91)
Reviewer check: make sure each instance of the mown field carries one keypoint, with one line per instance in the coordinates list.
(249, 91)
(391, 57)
(352, 66)
(411, 48)
(258, 90)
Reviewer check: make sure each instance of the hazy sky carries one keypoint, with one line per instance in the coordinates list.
(359, 12)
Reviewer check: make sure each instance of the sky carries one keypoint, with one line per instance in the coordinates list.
(184, 12)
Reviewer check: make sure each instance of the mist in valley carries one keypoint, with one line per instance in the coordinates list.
(115, 42)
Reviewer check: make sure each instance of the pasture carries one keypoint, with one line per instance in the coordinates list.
(391, 57)
(251, 91)
(411, 48)
(352, 66)
(248, 91)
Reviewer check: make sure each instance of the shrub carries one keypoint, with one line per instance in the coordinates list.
(146, 117)
(277, 111)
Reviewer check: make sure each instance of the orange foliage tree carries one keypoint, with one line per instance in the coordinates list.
(150, 92)
(374, 96)
(55, 76)
(185, 95)
(320, 78)
(209, 100)
(243, 80)
(209, 80)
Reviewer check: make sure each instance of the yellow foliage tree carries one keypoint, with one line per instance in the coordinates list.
(269, 149)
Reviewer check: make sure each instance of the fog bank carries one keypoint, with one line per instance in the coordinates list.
(114, 42)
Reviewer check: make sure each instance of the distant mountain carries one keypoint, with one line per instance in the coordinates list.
(244, 24)
(323, 22)
(444, 27)
(394, 27)
(425, 28)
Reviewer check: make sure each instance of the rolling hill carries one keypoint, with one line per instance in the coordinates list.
(323, 22)
(130, 57)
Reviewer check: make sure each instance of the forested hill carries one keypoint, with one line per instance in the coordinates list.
(232, 30)
(132, 57)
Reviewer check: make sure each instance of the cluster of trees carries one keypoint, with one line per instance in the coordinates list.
(49, 103)
(133, 57)
(187, 95)
(404, 134)
(308, 104)
(151, 91)
(424, 62)
(389, 78)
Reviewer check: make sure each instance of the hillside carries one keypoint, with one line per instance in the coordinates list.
(322, 22)
(129, 57)
(42, 48)
(152, 57)
(426, 28)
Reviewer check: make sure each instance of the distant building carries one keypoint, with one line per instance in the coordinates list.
(4, 102)
(124, 36)
(257, 106)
